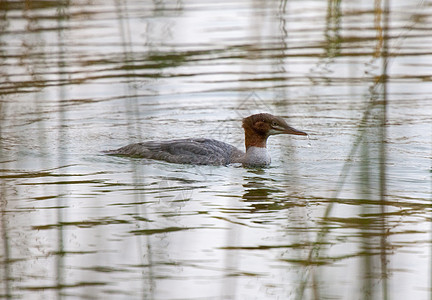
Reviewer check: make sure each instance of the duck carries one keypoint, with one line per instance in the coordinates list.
(205, 151)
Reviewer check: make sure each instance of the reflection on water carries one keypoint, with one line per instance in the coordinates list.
(349, 215)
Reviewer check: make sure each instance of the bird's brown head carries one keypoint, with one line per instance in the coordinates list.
(267, 124)
(260, 126)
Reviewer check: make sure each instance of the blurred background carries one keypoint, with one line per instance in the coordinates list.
(345, 214)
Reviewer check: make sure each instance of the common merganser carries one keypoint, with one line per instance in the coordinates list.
(202, 151)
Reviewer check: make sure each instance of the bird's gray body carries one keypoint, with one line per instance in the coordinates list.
(197, 151)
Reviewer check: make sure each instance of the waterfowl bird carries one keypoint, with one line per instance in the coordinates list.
(203, 151)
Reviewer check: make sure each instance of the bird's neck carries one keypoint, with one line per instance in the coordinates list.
(255, 139)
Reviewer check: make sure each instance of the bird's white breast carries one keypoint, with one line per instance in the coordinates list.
(257, 156)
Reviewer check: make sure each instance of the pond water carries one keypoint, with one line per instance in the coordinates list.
(343, 215)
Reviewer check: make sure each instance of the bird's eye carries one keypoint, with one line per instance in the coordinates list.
(274, 124)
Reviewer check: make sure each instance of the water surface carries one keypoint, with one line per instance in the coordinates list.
(343, 215)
